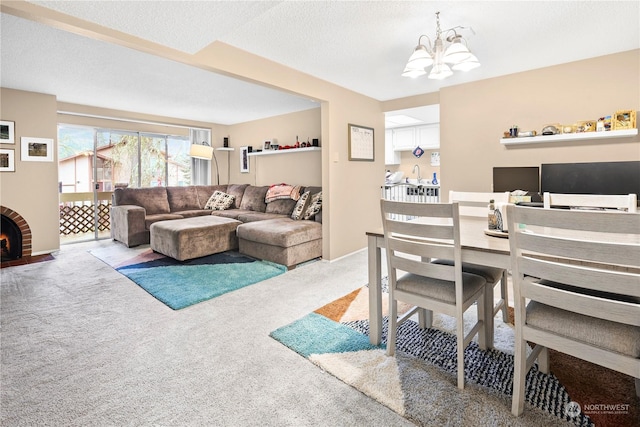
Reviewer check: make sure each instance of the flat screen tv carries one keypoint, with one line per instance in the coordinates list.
(525, 178)
(591, 178)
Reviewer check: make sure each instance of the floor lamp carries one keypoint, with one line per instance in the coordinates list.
(205, 151)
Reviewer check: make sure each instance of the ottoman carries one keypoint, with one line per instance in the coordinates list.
(283, 241)
(194, 237)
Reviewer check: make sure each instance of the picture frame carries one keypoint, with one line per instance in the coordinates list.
(244, 159)
(7, 132)
(624, 119)
(361, 143)
(36, 149)
(266, 146)
(7, 160)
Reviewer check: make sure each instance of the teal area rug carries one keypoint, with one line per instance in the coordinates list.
(419, 382)
(179, 284)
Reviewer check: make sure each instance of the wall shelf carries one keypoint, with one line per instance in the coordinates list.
(583, 136)
(289, 150)
(224, 149)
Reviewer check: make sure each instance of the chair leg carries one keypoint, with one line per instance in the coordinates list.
(519, 375)
(543, 360)
(460, 351)
(487, 318)
(392, 325)
(425, 318)
(504, 292)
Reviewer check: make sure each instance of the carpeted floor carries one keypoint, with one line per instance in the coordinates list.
(335, 338)
(180, 284)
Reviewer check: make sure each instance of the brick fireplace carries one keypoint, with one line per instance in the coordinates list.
(15, 236)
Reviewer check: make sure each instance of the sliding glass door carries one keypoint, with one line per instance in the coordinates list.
(94, 162)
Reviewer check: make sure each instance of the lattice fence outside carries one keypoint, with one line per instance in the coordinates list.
(77, 219)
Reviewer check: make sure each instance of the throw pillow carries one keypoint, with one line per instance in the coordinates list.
(219, 201)
(315, 205)
(301, 204)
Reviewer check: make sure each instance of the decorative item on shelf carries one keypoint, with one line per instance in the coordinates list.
(586, 126)
(527, 133)
(316, 142)
(418, 152)
(225, 142)
(603, 124)
(551, 129)
(266, 146)
(434, 181)
(513, 131)
(624, 119)
(274, 146)
(568, 128)
(456, 53)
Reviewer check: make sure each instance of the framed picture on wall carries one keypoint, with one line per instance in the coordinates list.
(244, 159)
(7, 160)
(36, 149)
(7, 132)
(360, 143)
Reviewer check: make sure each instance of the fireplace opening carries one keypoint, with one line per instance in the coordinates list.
(10, 239)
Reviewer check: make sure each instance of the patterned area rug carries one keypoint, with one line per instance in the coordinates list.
(180, 284)
(422, 375)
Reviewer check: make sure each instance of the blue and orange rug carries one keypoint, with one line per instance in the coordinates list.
(179, 284)
(419, 382)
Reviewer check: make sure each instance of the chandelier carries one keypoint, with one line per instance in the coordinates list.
(456, 54)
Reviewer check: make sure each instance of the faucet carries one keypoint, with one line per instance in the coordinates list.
(414, 171)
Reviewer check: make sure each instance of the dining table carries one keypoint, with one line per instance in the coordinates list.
(479, 246)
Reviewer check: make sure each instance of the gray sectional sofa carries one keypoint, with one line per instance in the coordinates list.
(265, 231)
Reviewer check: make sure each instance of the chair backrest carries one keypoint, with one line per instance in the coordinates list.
(433, 233)
(595, 255)
(626, 202)
(475, 203)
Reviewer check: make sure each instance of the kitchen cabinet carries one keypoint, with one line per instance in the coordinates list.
(425, 136)
(391, 157)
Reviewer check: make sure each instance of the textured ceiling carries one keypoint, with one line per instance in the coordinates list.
(359, 45)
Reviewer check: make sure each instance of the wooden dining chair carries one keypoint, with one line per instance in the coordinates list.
(580, 272)
(626, 202)
(433, 233)
(475, 204)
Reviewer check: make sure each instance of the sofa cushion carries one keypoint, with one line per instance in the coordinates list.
(205, 191)
(253, 199)
(315, 205)
(153, 199)
(281, 207)
(301, 206)
(231, 213)
(238, 191)
(182, 198)
(283, 232)
(193, 212)
(150, 219)
(220, 201)
(259, 216)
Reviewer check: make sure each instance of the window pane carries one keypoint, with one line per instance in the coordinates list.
(153, 160)
(123, 148)
(178, 160)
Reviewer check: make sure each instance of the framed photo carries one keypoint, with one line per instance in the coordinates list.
(361, 143)
(624, 119)
(266, 146)
(7, 160)
(7, 132)
(435, 158)
(244, 159)
(36, 149)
